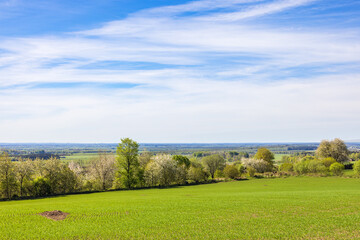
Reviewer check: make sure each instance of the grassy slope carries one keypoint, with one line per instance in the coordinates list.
(302, 207)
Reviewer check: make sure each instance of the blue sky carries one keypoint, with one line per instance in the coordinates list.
(179, 71)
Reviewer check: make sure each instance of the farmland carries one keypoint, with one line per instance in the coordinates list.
(281, 208)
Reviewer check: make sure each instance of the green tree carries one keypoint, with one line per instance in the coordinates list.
(230, 171)
(24, 171)
(265, 154)
(127, 157)
(356, 167)
(336, 149)
(8, 181)
(213, 162)
(183, 164)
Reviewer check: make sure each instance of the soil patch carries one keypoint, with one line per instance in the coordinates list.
(54, 215)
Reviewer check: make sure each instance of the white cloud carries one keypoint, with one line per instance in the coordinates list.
(201, 100)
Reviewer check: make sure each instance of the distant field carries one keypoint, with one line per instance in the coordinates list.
(80, 157)
(296, 207)
(278, 157)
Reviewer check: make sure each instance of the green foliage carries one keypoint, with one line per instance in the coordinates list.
(265, 154)
(241, 168)
(197, 174)
(230, 171)
(181, 160)
(219, 174)
(336, 149)
(127, 157)
(355, 156)
(356, 168)
(286, 167)
(213, 163)
(41, 187)
(8, 183)
(312, 166)
(328, 161)
(337, 169)
(251, 171)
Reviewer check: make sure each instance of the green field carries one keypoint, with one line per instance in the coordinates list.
(290, 208)
(80, 157)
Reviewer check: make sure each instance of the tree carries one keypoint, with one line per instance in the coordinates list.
(336, 149)
(197, 174)
(8, 182)
(183, 164)
(166, 169)
(24, 171)
(144, 158)
(260, 165)
(213, 162)
(127, 157)
(102, 170)
(356, 167)
(151, 174)
(231, 172)
(265, 154)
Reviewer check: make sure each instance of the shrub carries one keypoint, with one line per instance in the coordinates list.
(230, 171)
(356, 167)
(251, 171)
(286, 167)
(309, 166)
(337, 168)
(328, 161)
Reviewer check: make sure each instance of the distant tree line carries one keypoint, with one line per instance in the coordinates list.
(129, 169)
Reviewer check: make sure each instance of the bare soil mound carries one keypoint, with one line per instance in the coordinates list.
(54, 215)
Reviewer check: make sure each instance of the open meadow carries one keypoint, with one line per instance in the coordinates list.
(281, 208)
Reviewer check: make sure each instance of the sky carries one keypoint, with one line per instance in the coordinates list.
(205, 71)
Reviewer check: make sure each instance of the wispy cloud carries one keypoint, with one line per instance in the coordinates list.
(204, 71)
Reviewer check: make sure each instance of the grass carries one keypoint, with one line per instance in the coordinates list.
(80, 157)
(290, 208)
(278, 157)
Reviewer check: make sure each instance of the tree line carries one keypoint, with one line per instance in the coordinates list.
(129, 169)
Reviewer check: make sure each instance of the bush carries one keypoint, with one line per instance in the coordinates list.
(356, 168)
(309, 166)
(230, 171)
(328, 161)
(286, 167)
(337, 169)
(251, 171)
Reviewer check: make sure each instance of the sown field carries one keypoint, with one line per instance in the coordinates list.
(291, 208)
(80, 157)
